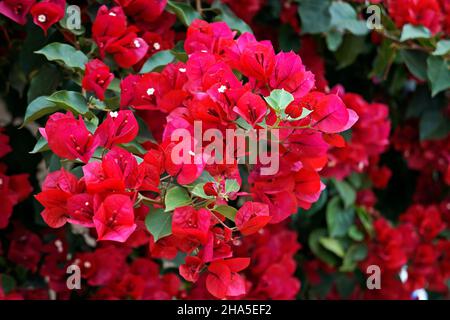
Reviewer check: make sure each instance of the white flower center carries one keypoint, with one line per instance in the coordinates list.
(157, 46)
(87, 264)
(182, 70)
(137, 43)
(42, 18)
(112, 14)
(113, 114)
(222, 89)
(150, 91)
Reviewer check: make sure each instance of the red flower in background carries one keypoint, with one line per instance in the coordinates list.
(16, 10)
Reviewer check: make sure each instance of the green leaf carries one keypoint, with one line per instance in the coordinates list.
(318, 249)
(350, 49)
(416, 62)
(334, 39)
(365, 220)
(39, 107)
(385, 57)
(44, 82)
(355, 234)
(8, 283)
(279, 99)
(344, 17)
(438, 74)
(414, 32)
(41, 145)
(442, 48)
(134, 148)
(314, 15)
(346, 191)
(159, 59)
(185, 13)
(305, 112)
(227, 211)
(231, 185)
(354, 254)
(338, 219)
(159, 223)
(433, 125)
(70, 100)
(333, 245)
(64, 53)
(198, 191)
(176, 197)
(228, 16)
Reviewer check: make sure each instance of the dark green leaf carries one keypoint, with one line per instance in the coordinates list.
(185, 13)
(339, 219)
(176, 197)
(438, 74)
(228, 16)
(314, 15)
(414, 32)
(39, 107)
(159, 223)
(159, 59)
(347, 193)
(227, 211)
(70, 100)
(416, 62)
(64, 53)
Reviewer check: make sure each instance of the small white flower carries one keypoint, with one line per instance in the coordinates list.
(137, 44)
(87, 264)
(204, 51)
(222, 89)
(182, 70)
(150, 91)
(42, 18)
(113, 114)
(59, 245)
(86, 204)
(157, 46)
(112, 14)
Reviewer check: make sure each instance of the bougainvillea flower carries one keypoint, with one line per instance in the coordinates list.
(118, 127)
(16, 10)
(114, 219)
(57, 188)
(13, 189)
(257, 60)
(143, 10)
(290, 74)
(121, 165)
(108, 26)
(427, 13)
(69, 138)
(48, 12)
(223, 279)
(252, 217)
(80, 208)
(208, 37)
(191, 268)
(97, 78)
(329, 114)
(251, 107)
(97, 180)
(191, 224)
(128, 50)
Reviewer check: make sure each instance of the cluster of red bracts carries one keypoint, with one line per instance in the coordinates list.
(110, 195)
(13, 188)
